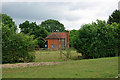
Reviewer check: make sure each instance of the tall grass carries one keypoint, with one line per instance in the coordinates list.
(54, 55)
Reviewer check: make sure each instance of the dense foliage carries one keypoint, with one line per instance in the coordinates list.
(7, 20)
(114, 17)
(98, 39)
(16, 47)
(33, 29)
(72, 34)
(52, 26)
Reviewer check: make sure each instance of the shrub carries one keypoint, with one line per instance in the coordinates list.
(98, 39)
(16, 46)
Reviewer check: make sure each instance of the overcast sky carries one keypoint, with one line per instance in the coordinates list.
(72, 13)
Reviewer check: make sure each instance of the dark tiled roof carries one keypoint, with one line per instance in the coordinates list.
(56, 35)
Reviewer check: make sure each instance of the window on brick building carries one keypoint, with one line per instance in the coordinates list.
(45, 45)
(52, 46)
(59, 45)
(59, 40)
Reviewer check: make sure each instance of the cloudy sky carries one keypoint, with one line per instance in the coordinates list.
(71, 13)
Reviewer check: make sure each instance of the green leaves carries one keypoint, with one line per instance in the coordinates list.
(98, 39)
(33, 29)
(15, 46)
(114, 17)
(7, 20)
(52, 26)
(72, 34)
(41, 31)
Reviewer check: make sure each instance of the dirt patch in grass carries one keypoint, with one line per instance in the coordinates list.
(28, 64)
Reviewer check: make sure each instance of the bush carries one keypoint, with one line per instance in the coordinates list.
(16, 46)
(97, 40)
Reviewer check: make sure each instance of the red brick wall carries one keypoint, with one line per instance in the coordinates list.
(54, 42)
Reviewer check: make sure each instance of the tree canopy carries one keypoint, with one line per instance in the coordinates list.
(33, 29)
(72, 34)
(96, 40)
(52, 26)
(114, 17)
(7, 20)
(16, 47)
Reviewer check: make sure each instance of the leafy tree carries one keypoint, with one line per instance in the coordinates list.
(52, 26)
(97, 40)
(25, 27)
(16, 47)
(40, 35)
(114, 17)
(7, 20)
(33, 29)
(72, 34)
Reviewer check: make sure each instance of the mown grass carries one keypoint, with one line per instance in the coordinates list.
(86, 68)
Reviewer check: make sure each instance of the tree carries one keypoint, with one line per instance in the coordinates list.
(97, 40)
(16, 47)
(33, 29)
(114, 17)
(72, 34)
(25, 27)
(52, 26)
(7, 20)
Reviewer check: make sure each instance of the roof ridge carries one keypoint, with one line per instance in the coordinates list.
(56, 35)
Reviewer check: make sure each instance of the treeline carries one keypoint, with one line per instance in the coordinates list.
(98, 39)
(19, 47)
(95, 40)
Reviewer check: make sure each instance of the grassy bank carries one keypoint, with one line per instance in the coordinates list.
(89, 68)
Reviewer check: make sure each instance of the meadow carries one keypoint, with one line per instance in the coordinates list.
(73, 68)
(54, 55)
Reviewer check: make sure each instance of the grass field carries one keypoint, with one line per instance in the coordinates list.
(54, 56)
(86, 68)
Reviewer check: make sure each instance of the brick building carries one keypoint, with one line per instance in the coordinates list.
(57, 40)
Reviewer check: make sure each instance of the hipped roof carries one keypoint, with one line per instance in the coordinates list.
(56, 35)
